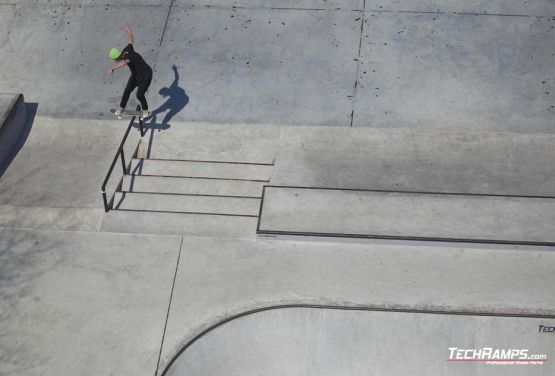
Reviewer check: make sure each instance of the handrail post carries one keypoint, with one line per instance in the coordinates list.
(114, 161)
(106, 209)
(141, 126)
(123, 162)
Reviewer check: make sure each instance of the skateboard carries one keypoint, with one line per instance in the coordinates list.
(129, 113)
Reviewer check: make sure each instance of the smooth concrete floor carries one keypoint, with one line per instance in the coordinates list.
(68, 296)
(482, 66)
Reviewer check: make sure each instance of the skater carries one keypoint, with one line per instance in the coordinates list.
(141, 73)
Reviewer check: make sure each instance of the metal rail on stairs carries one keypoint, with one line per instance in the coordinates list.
(119, 154)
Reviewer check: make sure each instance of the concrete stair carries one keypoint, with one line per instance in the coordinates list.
(165, 202)
(155, 184)
(217, 226)
(202, 169)
(189, 197)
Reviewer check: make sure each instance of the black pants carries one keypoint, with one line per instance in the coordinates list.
(142, 84)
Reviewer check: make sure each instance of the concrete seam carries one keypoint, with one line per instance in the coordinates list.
(237, 7)
(169, 307)
(456, 13)
(362, 19)
(166, 24)
(192, 7)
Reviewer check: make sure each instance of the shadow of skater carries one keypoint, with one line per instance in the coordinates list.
(177, 100)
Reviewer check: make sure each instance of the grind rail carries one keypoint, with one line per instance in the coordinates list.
(119, 154)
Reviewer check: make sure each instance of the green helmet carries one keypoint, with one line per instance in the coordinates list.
(114, 53)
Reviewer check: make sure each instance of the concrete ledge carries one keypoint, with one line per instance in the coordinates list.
(497, 219)
(13, 119)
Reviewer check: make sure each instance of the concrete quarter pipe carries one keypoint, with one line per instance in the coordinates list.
(353, 341)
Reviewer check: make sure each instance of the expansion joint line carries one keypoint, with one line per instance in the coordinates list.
(156, 62)
(169, 307)
(166, 24)
(362, 19)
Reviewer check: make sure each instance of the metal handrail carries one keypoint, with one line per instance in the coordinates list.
(120, 154)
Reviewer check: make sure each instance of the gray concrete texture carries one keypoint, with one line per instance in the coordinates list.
(64, 163)
(239, 275)
(310, 62)
(60, 170)
(408, 160)
(83, 303)
(408, 215)
(343, 342)
(98, 302)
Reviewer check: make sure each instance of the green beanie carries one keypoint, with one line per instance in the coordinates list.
(114, 53)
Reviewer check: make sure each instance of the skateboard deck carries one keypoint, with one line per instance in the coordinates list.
(128, 113)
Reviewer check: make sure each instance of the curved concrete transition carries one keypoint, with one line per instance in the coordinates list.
(353, 341)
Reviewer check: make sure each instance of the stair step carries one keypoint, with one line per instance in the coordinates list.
(179, 224)
(162, 184)
(215, 170)
(187, 204)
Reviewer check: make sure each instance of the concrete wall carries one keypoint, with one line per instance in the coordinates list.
(13, 122)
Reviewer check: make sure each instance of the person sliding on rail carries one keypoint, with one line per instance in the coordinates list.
(141, 73)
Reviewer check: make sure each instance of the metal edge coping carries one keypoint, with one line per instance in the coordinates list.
(346, 308)
(413, 192)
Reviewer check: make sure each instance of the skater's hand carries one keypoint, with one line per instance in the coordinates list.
(110, 71)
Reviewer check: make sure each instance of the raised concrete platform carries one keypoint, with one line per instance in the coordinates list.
(423, 161)
(407, 216)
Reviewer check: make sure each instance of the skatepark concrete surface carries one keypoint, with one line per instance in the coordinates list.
(326, 187)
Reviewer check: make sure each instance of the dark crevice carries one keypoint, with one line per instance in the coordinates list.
(169, 306)
(358, 62)
(166, 24)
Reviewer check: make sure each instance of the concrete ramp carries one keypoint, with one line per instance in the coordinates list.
(471, 218)
(323, 341)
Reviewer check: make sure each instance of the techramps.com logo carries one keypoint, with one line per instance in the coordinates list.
(496, 356)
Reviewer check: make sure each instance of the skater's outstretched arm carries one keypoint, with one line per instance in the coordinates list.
(120, 64)
(129, 32)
